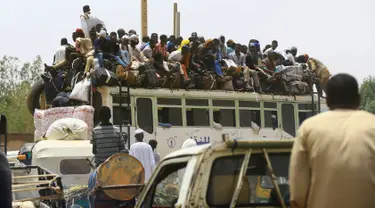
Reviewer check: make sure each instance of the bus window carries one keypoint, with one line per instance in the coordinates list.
(303, 116)
(270, 105)
(289, 125)
(121, 116)
(226, 117)
(224, 103)
(249, 104)
(197, 117)
(270, 119)
(172, 116)
(144, 114)
(197, 102)
(169, 101)
(248, 116)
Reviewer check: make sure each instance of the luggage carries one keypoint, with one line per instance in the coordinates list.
(128, 75)
(151, 79)
(61, 100)
(296, 88)
(67, 129)
(209, 81)
(53, 114)
(292, 73)
(227, 84)
(103, 76)
(53, 84)
(198, 81)
(238, 83)
(86, 114)
(81, 91)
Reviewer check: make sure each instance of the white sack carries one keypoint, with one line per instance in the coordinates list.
(81, 91)
(53, 114)
(67, 129)
(86, 114)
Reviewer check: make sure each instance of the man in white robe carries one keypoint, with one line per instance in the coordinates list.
(143, 152)
(89, 21)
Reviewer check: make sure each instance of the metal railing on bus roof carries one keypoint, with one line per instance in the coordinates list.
(258, 143)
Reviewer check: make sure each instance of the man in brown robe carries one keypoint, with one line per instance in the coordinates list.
(332, 162)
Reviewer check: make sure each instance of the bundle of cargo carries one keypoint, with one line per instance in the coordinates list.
(43, 119)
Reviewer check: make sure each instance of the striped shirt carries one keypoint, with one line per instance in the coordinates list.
(107, 141)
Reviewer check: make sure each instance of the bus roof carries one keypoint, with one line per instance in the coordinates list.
(216, 94)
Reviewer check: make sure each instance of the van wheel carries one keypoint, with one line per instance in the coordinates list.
(36, 98)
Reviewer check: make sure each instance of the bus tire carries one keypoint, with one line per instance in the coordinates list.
(34, 96)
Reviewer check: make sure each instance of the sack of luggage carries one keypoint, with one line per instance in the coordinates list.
(292, 73)
(151, 79)
(61, 100)
(209, 81)
(227, 84)
(128, 75)
(297, 88)
(238, 83)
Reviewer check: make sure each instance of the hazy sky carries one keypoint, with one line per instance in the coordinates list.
(340, 33)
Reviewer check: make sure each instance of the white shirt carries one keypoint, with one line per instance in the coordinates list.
(143, 152)
(60, 54)
(290, 57)
(157, 157)
(175, 56)
(89, 22)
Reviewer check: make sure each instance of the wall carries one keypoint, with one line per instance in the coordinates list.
(16, 140)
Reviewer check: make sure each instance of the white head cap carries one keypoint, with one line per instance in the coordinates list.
(138, 131)
(133, 37)
(103, 33)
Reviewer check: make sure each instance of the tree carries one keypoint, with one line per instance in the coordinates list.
(367, 92)
(15, 84)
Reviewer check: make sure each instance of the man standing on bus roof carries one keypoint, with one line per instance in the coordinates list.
(143, 152)
(89, 21)
(332, 162)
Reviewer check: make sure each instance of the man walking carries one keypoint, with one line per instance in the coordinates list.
(106, 138)
(143, 152)
(332, 162)
(153, 143)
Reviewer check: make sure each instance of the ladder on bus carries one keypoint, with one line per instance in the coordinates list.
(124, 93)
(313, 104)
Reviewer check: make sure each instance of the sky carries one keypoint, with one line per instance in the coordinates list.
(340, 33)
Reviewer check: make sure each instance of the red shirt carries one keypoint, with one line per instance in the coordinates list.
(161, 49)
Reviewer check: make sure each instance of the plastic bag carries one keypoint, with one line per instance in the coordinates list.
(81, 91)
(67, 129)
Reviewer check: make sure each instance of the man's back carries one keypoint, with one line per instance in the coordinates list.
(108, 141)
(143, 152)
(339, 148)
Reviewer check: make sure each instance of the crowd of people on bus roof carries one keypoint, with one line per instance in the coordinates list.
(193, 54)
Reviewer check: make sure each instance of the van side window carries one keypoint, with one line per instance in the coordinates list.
(197, 117)
(288, 118)
(144, 114)
(304, 112)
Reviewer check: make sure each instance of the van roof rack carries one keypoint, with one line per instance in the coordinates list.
(258, 143)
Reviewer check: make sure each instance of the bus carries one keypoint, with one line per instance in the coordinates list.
(171, 116)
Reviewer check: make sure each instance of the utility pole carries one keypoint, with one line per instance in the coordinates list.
(144, 22)
(176, 20)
